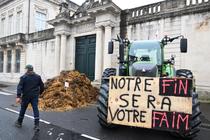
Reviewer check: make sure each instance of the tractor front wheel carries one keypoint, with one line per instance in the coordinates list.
(195, 119)
(103, 98)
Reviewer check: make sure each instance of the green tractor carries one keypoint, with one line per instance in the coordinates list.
(146, 59)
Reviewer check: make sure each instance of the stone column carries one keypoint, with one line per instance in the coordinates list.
(129, 32)
(197, 1)
(72, 53)
(107, 57)
(138, 32)
(13, 60)
(191, 2)
(63, 52)
(23, 58)
(57, 54)
(99, 54)
(5, 60)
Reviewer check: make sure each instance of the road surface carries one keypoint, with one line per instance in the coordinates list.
(79, 124)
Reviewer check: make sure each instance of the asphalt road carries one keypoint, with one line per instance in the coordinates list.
(8, 130)
(76, 125)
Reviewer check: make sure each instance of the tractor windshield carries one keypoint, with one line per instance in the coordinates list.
(146, 51)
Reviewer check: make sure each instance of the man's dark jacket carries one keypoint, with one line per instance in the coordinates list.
(30, 85)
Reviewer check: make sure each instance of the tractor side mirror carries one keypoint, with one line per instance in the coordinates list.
(111, 47)
(183, 45)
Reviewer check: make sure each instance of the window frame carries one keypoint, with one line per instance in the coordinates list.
(40, 20)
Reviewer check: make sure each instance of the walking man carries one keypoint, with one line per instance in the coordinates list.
(28, 91)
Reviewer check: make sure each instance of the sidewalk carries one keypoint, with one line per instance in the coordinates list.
(8, 87)
(205, 116)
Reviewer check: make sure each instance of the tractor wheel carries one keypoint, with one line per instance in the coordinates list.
(103, 98)
(195, 119)
(107, 73)
(184, 73)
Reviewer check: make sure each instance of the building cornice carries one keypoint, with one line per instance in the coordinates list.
(110, 7)
(4, 2)
(167, 9)
(12, 39)
(21, 38)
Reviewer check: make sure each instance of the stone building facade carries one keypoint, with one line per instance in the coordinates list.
(79, 39)
(24, 33)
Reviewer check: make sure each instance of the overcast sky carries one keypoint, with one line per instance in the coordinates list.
(125, 4)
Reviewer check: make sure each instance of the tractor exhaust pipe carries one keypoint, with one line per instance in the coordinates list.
(122, 68)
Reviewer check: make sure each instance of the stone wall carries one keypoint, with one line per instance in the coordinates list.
(190, 18)
(41, 55)
(41, 35)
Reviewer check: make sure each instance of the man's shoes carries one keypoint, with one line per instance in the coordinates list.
(36, 128)
(18, 124)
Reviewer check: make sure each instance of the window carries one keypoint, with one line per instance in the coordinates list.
(10, 23)
(17, 61)
(3, 27)
(151, 51)
(9, 60)
(19, 23)
(1, 61)
(40, 23)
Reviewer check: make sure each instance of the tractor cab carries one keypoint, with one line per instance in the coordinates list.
(144, 58)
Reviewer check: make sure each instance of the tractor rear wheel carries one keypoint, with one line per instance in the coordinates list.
(103, 98)
(184, 73)
(195, 119)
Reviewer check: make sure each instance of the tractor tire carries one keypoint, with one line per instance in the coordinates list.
(103, 98)
(107, 73)
(195, 119)
(184, 73)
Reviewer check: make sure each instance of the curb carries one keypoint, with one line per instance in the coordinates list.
(204, 101)
(8, 91)
(203, 94)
